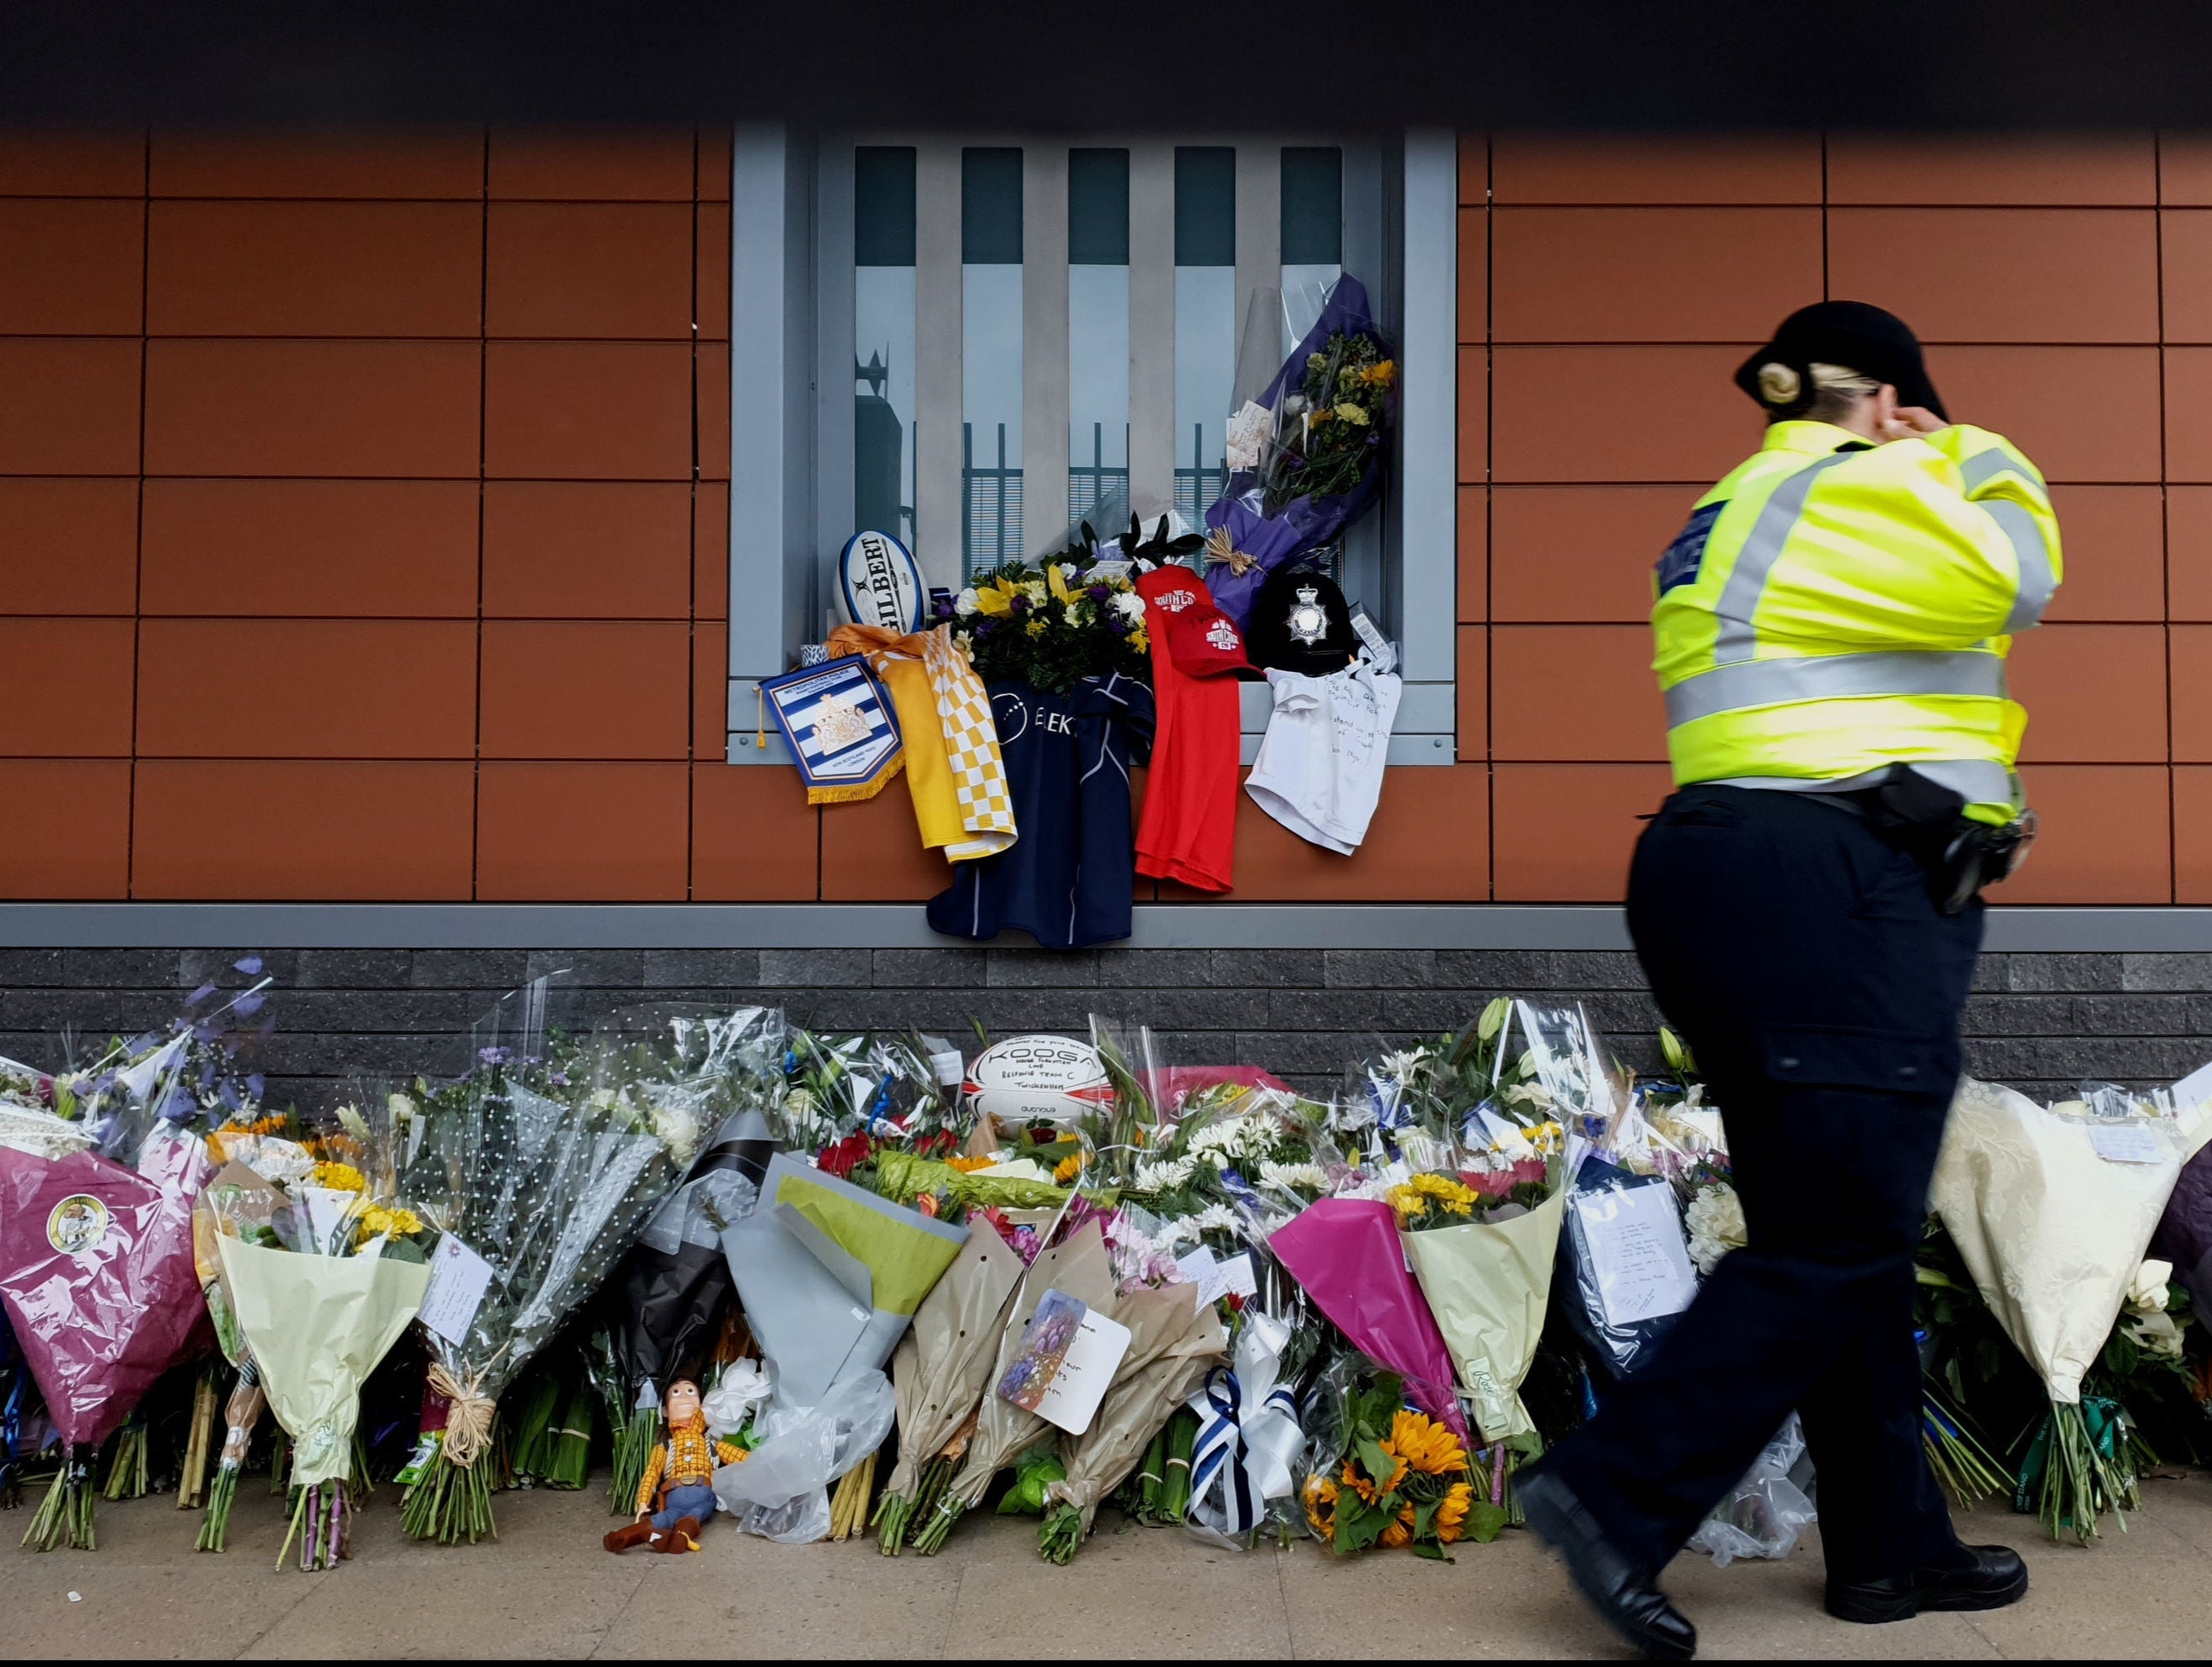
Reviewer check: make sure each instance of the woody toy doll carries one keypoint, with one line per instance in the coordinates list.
(677, 1493)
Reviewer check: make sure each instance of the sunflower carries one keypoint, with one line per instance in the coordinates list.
(1420, 1441)
(964, 1165)
(1367, 1490)
(1401, 1530)
(1320, 1506)
(1451, 1512)
(1068, 1168)
(339, 1177)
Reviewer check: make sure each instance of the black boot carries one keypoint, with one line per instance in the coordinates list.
(1615, 1587)
(1975, 1577)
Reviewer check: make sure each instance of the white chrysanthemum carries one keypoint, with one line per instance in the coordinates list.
(1163, 1174)
(1213, 1219)
(1037, 592)
(1129, 605)
(1073, 610)
(1715, 1223)
(1295, 1178)
(965, 602)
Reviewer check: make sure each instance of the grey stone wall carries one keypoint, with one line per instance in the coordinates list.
(2041, 1022)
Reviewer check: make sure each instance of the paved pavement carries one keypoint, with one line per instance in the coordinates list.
(546, 1589)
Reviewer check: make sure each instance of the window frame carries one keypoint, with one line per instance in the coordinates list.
(791, 401)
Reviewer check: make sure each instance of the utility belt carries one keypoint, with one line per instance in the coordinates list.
(1923, 819)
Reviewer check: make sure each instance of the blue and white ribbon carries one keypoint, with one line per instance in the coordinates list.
(1247, 1436)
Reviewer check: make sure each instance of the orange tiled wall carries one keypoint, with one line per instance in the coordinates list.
(1608, 289)
(363, 508)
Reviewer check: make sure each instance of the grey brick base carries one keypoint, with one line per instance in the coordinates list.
(2041, 1022)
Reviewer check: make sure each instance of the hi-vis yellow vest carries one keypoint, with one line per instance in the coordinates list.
(1834, 607)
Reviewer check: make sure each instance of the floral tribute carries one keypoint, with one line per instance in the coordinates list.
(1404, 1480)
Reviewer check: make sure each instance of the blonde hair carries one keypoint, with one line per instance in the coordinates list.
(1836, 389)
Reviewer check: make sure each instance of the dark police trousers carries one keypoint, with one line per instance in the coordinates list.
(1805, 962)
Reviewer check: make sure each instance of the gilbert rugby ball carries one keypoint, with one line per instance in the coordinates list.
(879, 583)
(1029, 1077)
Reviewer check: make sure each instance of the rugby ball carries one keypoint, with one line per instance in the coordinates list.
(879, 584)
(1029, 1077)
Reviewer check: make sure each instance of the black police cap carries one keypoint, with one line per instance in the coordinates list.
(1854, 335)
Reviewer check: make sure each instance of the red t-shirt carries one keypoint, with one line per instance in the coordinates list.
(1188, 832)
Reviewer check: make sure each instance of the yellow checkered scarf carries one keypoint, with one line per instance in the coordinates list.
(971, 747)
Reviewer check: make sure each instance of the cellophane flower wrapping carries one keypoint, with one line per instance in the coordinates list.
(526, 1164)
(97, 1277)
(1346, 1253)
(1321, 431)
(708, 1080)
(1482, 1204)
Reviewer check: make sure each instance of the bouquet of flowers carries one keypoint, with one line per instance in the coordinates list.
(1079, 1267)
(535, 1185)
(148, 1100)
(98, 1285)
(1388, 1474)
(322, 1277)
(1306, 456)
(888, 1087)
(1346, 1253)
(703, 1077)
(1482, 1213)
(938, 1372)
(2051, 1211)
(1052, 624)
(1175, 1340)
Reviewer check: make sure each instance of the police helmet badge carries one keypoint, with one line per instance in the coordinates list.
(1309, 620)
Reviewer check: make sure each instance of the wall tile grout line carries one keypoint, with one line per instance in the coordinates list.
(138, 542)
(691, 592)
(1490, 509)
(483, 455)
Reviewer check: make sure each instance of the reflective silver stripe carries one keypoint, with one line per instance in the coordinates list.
(1739, 599)
(1987, 465)
(2034, 555)
(2030, 549)
(1978, 781)
(1833, 676)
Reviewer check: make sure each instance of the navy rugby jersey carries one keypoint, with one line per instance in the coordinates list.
(1068, 879)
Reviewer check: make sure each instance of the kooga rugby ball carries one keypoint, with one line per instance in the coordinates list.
(879, 583)
(1029, 1077)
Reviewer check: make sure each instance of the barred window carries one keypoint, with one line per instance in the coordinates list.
(981, 341)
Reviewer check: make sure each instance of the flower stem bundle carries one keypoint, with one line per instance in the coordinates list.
(65, 1516)
(848, 1503)
(126, 1469)
(1961, 1461)
(321, 1520)
(192, 1469)
(240, 1413)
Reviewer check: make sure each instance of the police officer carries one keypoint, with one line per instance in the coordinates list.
(1832, 627)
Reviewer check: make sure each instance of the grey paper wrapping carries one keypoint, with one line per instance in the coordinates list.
(941, 1365)
(2051, 1232)
(810, 1302)
(1174, 1342)
(1082, 1269)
